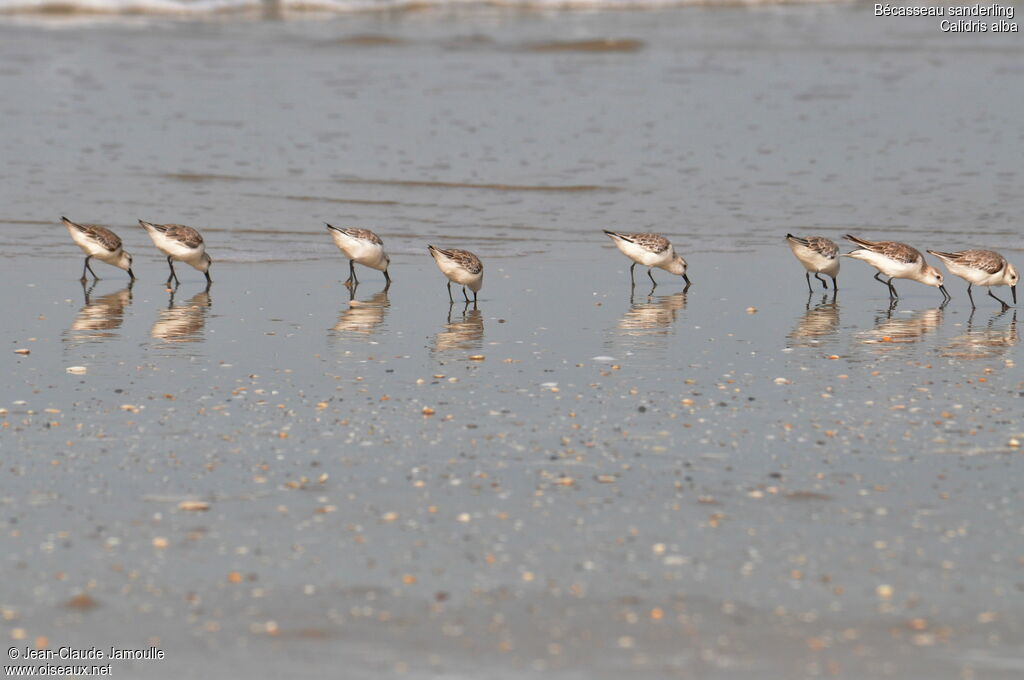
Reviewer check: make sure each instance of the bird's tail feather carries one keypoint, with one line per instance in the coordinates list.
(859, 241)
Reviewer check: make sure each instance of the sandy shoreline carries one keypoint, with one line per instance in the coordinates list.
(640, 494)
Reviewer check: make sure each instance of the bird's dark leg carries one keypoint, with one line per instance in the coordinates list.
(892, 289)
(969, 296)
(351, 280)
(466, 295)
(651, 276)
(889, 283)
(991, 294)
(450, 298)
(823, 283)
(632, 281)
(84, 267)
(173, 276)
(835, 284)
(387, 279)
(89, 268)
(474, 299)
(807, 275)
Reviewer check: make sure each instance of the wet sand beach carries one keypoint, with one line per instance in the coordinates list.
(268, 478)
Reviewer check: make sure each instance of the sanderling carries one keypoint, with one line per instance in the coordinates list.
(649, 250)
(460, 266)
(818, 255)
(897, 261)
(101, 243)
(364, 247)
(181, 243)
(981, 268)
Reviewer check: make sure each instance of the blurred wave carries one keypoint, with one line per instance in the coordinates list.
(201, 7)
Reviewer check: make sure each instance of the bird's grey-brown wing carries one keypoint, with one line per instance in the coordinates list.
(651, 242)
(187, 236)
(984, 260)
(101, 235)
(364, 234)
(899, 252)
(465, 259)
(821, 245)
(894, 250)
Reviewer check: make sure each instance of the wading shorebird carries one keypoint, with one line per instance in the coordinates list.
(649, 250)
(981, 268)
(460, 266)
(362, 246)
(897, 261)
(818, 255)
(181, 243)
(101, 243)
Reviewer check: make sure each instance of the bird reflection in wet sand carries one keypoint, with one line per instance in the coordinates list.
(461, 332)
(986, 341)
(653, 315)
(889, 331)
(817, 323)
(100, 316)
(183, 322)
(363, 317)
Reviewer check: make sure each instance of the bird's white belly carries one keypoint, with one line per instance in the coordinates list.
(642, 255)
(886, 265)
(456, 273)
(91, 248)
(179, 251)
(814, 261)
(976, 277)
(367, 254)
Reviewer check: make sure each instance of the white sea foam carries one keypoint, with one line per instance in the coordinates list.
(199, 7)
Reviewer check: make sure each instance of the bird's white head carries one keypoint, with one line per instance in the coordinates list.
(125, 261)
(677, 266)
(1010, 275)
(930, 276)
